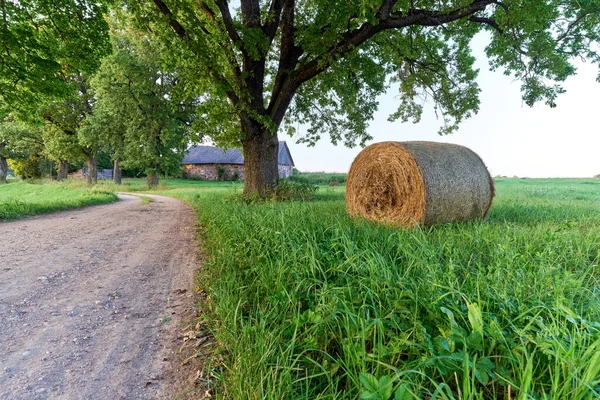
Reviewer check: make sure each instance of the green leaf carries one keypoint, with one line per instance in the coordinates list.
(370, 383)
(403, 392)
(475, 317)
(386, 387)
(475, 341)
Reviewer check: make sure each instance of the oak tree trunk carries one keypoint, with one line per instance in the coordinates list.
(261, 150)
(117, 172)
(63, 170)
(152, 179)
(92, 177)
(3, 169)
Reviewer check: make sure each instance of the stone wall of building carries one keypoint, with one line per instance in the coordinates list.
(215, 172)
(225, 172)
(285, 171)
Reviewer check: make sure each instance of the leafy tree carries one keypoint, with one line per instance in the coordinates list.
(139, 111)
(41, 42)
(17, 141)
(269, 64)
(63, 121)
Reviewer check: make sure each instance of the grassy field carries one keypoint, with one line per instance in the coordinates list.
(19, 199)
(306, 303)
(318, 178)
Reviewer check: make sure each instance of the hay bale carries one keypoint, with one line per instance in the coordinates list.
(597, 176)
(407, 183)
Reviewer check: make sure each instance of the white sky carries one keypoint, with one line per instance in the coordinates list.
(510, 137)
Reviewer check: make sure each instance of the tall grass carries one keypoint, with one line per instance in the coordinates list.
(307, 303)
(19, 199)
(318, 178)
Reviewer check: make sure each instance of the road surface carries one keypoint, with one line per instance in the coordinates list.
(93, 301)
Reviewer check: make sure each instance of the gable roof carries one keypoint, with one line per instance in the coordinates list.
(214, 155)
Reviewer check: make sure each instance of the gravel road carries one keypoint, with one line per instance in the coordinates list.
(93, 301)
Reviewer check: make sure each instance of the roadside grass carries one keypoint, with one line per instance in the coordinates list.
(19, 199)
(307, 303)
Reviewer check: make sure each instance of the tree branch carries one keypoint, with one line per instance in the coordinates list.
(233, 34)
(358, 36)
(385, 9)
(290, 82)
(177, 27)
(251, 13)
(487, 21)
(273, 17)
(288, 58)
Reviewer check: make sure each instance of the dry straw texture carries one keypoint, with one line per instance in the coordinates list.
(408, 183)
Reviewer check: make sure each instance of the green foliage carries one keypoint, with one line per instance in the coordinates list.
(309, 303)
(138, 112)
(41, 42)
(326, 65)
(28, 168)
(21, 199)
(19, 140)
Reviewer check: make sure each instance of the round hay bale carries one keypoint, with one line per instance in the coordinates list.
(408, 183)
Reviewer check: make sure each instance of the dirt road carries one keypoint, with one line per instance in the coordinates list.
(91, 301)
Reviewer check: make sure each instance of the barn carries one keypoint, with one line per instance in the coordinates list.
(211, 163)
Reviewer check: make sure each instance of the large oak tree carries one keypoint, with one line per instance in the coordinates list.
(260, 65)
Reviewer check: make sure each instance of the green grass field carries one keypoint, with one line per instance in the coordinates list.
(307, 303)
(20, 199)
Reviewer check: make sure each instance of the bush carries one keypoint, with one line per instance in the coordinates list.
(26, 168)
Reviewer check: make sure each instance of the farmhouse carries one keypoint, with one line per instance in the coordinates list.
(212, 163)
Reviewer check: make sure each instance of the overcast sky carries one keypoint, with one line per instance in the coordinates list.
(511, 138)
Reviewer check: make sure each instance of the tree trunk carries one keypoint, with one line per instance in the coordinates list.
(3, 169)
(152, 179)
(92, 177)
(63, 170)
(117, 172)
(261, 171)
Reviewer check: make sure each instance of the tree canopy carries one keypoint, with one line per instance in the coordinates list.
(139, 111)
(42, 42)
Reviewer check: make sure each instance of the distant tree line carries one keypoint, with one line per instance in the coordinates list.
(127, 114)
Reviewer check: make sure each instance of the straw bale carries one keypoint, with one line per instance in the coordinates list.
(408, 183)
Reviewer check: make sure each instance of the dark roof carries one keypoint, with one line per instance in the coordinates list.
(214, 155)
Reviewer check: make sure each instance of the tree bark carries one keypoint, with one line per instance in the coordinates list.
(117, 172)
(261, 172)
(3, 169)
(92, 177)
(152, 179)
(63, 170)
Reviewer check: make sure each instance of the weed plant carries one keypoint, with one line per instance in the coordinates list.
(307, 303)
